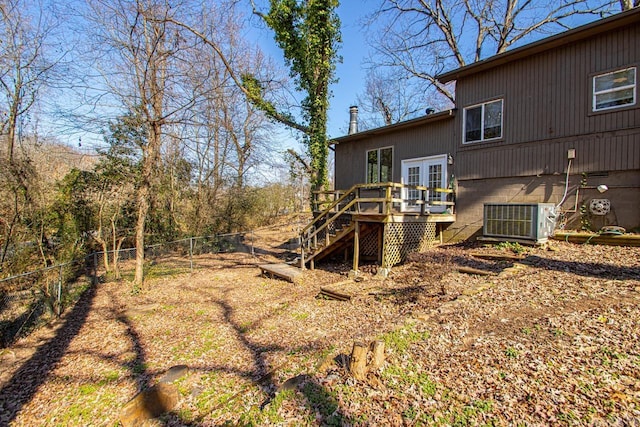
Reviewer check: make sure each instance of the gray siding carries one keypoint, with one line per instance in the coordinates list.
(547, 110)
(420, 141)
(623, 194)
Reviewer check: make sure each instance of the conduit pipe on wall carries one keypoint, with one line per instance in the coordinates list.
(566, 186)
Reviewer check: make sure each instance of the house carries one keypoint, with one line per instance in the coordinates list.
(556, 121)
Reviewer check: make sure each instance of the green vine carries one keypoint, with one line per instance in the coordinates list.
(585, 223)
(308, 32)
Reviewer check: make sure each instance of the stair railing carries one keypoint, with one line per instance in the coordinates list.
(351, 200)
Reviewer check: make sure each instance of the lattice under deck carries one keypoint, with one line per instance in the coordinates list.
(400, 239)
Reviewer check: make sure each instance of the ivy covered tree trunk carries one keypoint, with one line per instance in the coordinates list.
(308, 32)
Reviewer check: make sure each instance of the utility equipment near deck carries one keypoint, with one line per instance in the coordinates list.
(519, 221)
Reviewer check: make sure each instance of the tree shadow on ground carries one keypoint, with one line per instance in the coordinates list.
(24, 383)
(323, 402)
(587, 269)
(316, 397)
(136, 366)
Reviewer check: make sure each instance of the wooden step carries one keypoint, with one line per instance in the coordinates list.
(282, 271)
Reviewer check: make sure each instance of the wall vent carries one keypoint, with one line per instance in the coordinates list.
(526, 221)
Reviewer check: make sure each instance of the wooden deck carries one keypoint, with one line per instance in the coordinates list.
(282, 271)
(343, 220)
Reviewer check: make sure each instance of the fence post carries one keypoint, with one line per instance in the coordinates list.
(59, 307)
(252, 251)
(191, 253)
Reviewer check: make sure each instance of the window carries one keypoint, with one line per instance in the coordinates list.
(435, 181)
(613, 90)
(483, 122)
(413, 178)
(379, 165)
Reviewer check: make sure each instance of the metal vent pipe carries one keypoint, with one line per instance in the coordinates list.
(353, 119)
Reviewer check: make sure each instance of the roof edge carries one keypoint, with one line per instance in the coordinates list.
(429, 118)
(621, 19)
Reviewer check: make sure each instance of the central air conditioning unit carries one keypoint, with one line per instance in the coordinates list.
(521, 221)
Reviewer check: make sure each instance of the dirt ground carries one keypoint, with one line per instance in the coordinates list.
(549, 339)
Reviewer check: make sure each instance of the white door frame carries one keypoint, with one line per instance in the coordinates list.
(423, 163)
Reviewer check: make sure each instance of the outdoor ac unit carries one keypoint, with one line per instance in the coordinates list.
(526, 221)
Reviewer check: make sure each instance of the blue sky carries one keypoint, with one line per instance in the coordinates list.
(351, 72)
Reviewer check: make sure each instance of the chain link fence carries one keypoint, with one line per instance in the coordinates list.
(33, 298)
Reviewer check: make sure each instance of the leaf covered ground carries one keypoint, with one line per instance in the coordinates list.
(551, 339)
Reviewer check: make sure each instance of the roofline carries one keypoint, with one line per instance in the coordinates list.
(591, 29)
(429, 118)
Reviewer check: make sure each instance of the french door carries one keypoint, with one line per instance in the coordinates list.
(429, 172)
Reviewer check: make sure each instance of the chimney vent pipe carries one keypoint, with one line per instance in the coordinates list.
(353, 120)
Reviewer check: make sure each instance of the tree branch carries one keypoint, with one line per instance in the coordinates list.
(246, 83)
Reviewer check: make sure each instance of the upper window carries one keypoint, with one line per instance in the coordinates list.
(613, 90)
(379, 165)
(483, 122)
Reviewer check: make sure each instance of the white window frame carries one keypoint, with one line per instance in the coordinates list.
(366, 164)
(634, 86)
(482, 123)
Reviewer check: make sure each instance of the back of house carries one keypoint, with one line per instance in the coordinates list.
(553, 123)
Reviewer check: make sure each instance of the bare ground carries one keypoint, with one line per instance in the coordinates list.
(549, 340)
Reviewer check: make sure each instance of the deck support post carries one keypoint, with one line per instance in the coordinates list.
(383, 261)
(356, 246)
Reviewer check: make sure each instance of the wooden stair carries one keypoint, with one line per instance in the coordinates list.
(343, 220)
(334, 241)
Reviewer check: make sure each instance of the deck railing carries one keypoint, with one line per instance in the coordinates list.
(383, 198)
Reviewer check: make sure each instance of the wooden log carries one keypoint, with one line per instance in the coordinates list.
(377, 358)
(470, 270)
(497, 256)
(358, 360)
(326, 295)
(330, 293)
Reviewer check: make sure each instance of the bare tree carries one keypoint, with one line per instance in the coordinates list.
(26, 67)
(25, 63)
(224, 135)
(138, 53)
(388, 97)
(426, 37)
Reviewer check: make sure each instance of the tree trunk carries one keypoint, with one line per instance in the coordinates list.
(143, 209)
(13, 117)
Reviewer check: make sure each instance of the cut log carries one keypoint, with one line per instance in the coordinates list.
(470, 270)
(377, 358)
(497, 256)
(331, 294)
(358, 360)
